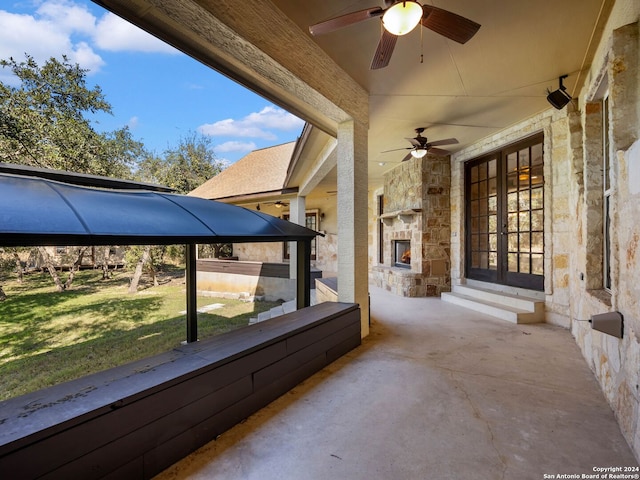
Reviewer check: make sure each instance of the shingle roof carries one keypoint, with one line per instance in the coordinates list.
(260, 171)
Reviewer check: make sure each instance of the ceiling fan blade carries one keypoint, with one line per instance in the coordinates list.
(408, 157)
(414, 141)
(397, 149)
(438, 151)
(385, 49)
(448, 24)
(446, 141)
(344, 20)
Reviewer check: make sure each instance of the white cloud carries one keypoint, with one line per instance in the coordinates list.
(62, 27)
(67, 16)
(133, 122)
(114, 34)
(235, 146)
(20, 34)
(254, 125)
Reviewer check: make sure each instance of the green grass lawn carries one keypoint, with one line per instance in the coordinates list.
(48, 337)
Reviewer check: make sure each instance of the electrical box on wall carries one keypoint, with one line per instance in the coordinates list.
(610, 323)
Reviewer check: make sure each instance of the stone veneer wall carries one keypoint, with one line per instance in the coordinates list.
(573, 213)
(420, 189)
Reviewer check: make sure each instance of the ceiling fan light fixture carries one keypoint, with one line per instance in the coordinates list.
(402, 17)
(418, 152)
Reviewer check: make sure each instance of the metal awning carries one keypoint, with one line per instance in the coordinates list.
(39, 211)
(36, 211)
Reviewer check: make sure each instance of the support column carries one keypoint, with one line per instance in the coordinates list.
(296, 215)
(192, 298)
(303, 283)
(353, 270)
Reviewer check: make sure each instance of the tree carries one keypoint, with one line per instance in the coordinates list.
(183, 168)
(43, 123)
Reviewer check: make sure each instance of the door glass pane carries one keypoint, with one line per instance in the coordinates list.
(482, 171)
(512, 182)
(484, 224)
(475, 208)
(484, 260)
(537, 242)
(482, 189)
(484, 242)
(512, 240)
(537, 220)
(512, 224)
(493, 205)
(523, 201)
(474, 174)
(513, 262)
(493, 261)
(536, 198)
(512, 202)
(524, 221)
(536, 175)
(493, 242)
(475, 243)
(536, 154)
(523, 159)
(493, 186)
(492, 168)
(525, 244)
(524, 263)
(512, 163)
(537, 264)
(493, 223)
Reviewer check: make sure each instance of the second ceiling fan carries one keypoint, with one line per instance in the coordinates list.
(399, 18)
(421, 146)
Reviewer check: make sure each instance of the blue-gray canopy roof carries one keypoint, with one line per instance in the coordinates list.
(39, 211)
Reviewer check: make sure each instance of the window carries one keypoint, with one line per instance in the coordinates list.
(606, 183)
(310, 221)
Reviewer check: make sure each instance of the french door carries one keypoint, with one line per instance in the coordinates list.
(504, 229)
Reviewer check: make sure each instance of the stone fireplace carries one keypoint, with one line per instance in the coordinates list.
(416, 229)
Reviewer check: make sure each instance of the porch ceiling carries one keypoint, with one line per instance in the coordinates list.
(466, 91)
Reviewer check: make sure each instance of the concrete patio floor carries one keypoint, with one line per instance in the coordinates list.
(435, 392)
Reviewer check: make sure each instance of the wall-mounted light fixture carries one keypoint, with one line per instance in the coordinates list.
(559, 98)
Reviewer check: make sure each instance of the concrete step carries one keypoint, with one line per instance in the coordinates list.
(512, 308)
(520, 302)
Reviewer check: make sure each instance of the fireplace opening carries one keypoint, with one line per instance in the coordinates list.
(402, 253)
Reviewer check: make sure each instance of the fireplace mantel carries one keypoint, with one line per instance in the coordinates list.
(406, 216)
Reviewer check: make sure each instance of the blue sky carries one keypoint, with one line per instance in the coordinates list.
(160, 93)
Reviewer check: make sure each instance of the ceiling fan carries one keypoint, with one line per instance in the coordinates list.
(277, 203)
(421, 146)
(399, 18)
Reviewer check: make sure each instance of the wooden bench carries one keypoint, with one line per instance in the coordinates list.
(136, 420)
